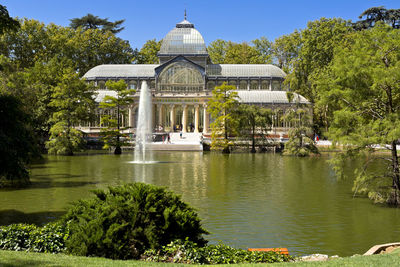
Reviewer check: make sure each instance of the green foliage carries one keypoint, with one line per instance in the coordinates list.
(94, 22)
(113, 135)
(363, 85)
(253, 120)
(124, 221)
(228, 52)
(188, 252)
(285, 49)
(36, 42)
(373, 15)
(222, 107)
(300, 144)
(315, 47)
(73, 101)
(148, 53)
(17, 142)
(7, 23)
(27, 237)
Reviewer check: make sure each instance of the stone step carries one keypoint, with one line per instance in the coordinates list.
(175, 147)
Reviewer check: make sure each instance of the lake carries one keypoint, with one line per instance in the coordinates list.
(245, 200)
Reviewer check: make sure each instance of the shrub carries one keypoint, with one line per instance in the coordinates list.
(49, 238)
(188, 252)
(124, 221)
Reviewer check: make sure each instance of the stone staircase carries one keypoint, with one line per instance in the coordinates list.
(188, 142)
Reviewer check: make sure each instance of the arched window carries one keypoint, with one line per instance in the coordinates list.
(210, 85)
(243, 85)
(254, 85)
(265, 84)
(101, 84)
(276, 85)
(132, 85)
(233, 83)
(180, 77)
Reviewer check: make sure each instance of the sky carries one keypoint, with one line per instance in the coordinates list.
(232, 20)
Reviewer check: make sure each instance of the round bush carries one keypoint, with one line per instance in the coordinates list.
(122, 222)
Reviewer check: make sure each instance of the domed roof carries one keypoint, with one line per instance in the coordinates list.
(184, 39)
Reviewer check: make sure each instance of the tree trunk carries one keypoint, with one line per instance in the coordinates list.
(118, 150)
(395, 197)
(253, 141)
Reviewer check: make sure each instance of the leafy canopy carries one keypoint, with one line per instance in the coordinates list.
(94, 22)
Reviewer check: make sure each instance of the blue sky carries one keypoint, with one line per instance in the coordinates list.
(229, 20)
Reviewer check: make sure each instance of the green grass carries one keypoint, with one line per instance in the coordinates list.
(13, 258)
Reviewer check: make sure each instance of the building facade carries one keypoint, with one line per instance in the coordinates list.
(182, 84)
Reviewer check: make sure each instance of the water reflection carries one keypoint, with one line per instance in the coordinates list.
(261, 200)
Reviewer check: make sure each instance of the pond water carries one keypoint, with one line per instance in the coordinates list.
(245, 200)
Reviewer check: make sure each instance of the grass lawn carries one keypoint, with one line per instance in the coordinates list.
(13, 258)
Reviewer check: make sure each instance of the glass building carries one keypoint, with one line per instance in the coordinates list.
(182, 83)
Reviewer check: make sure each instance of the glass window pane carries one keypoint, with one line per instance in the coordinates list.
(254, 85)
(265, 84)
(181, 76)
(210, 85)
(243, 85)
(276, 85)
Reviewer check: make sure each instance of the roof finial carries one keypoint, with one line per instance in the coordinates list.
(185, 14)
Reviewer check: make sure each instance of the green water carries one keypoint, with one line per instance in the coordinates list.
(261, 200)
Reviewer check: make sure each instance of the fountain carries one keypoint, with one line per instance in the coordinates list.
(144, 127)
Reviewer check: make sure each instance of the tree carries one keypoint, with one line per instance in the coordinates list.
(264, 48)
(317, 44)
(285, 50)
(374, 15)
(300, 144)
(364, 81)
(17, 142)
(94, 22)
(222, 105)
(148, 53)
(36, 42)
(243, 54)
(113, 134)
(74, 102)
(217, 51)
(228, 52)
(253, 120)
(7, 23)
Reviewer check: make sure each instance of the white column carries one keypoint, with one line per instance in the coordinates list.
(206, 121)
(160, 115)
(172, 116)
(184, 118)
(196, 118)
(131, 117)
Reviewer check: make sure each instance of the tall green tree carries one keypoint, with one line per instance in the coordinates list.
(374, 15)
(264, 48)
(285, 50)
(90, 21)
(148, 53)
(73, 99)
(7, 23)
(217, 51)
(253, 121)
(228, 52)
(17, 142)
(364, 81)
(222, 107)
(317, 45)
(37, 42)
(113, 134)
(300, 141)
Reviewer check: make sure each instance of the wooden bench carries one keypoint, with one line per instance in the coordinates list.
(283, 251)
